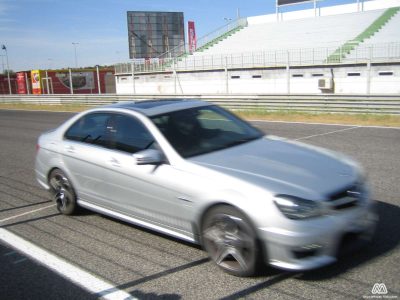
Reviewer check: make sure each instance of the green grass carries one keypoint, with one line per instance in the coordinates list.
(55, 107)
(328, 118)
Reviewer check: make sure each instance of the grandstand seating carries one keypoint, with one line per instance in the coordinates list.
(385, 43)
(313, 40)
(305, 33)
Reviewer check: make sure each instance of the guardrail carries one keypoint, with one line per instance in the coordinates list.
(375, 104)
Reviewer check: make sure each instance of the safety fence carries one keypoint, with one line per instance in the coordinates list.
(363, 54)
(376, 104)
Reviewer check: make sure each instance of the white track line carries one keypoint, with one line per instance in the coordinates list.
(326, 133)
(76, 275)
(87, 281)
(26, 213)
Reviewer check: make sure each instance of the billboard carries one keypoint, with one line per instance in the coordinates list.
(289, 2)
(4, 89)
(58, 81)
(192, 37)
(21, 83)
(36, 86)
(155, 34)
(80, 80)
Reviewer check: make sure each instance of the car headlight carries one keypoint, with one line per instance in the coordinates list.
(296, 208)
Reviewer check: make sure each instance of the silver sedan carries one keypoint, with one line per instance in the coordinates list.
(195, 171)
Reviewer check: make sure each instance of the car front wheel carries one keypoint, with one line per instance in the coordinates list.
(62, 191)
(231, 241)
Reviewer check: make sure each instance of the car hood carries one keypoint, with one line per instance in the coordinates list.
(286, 167)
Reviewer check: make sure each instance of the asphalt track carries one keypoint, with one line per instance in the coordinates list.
(148, 265)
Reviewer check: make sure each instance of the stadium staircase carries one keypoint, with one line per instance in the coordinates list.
(345, 49)
(212, 42)
(209, 40)
(219, 39)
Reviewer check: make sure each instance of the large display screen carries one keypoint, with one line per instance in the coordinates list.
(155, 34)
(288, 2)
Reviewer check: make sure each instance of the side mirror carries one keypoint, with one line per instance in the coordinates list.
(149, 157)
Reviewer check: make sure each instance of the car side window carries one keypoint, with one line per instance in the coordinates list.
(89, 129)
(125, 133)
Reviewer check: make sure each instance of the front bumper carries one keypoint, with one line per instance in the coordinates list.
(317, 242)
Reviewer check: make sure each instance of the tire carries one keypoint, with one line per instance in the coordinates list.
(231, 241)
(62, 192)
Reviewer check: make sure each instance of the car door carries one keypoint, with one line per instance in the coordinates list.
(145, 192)
(84, 151)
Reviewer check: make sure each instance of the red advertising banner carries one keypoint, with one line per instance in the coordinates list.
(21, 83)
(192, 37)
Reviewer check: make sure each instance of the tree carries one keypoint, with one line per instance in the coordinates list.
(5, 72)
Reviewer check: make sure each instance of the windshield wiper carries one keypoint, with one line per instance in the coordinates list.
(86, 137)
(95, 140)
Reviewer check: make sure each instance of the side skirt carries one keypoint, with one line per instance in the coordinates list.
(135, 221)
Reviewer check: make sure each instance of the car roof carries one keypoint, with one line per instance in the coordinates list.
(158, 106)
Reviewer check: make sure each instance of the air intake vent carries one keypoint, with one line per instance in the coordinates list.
(346, 198)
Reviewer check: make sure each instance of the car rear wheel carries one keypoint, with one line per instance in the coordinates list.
(62, 191)
(231, 241)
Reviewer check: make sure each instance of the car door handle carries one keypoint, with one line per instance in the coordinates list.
(114, 162)
(70, 149)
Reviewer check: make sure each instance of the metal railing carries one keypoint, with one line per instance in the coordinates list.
(204, 40)
(220, 32)
(376, 104)
(387, 52)
(384, 52)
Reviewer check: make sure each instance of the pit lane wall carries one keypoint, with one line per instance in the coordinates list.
(369, 79)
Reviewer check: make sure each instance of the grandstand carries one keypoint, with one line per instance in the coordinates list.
(307, 33)
(383, 44)
(306, 41)
(344, 38)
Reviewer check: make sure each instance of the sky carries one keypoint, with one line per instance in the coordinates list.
(38, 34)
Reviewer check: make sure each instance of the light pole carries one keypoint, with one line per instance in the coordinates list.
(98, 79)
(2, 63)
(8, 68)
(76, 59)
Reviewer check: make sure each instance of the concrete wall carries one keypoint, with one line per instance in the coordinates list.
(380, 79)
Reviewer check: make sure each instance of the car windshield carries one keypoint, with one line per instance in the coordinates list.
(205, 129)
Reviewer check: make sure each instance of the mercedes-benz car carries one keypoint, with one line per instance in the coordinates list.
(194, 171)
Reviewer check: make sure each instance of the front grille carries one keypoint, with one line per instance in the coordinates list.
(345, 205)
(346, 198)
